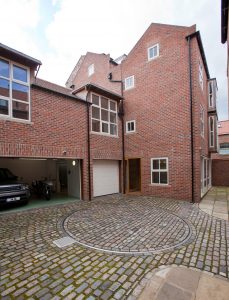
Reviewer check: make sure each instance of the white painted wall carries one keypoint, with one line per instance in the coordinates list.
(29, 170)
(74, 187)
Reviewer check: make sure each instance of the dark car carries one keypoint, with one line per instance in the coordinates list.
(11, 190)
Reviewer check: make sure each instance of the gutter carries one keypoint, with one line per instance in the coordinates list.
(191, 112)
(88, 145)
(121, 115)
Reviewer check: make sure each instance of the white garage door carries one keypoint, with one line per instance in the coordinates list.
(105, 177)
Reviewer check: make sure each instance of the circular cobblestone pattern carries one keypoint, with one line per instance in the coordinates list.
(129, 227)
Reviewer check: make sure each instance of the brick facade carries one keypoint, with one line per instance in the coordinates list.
(159, 103)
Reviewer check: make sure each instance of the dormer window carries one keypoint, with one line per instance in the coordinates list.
(153, 52)
(14, 90)
(91, 69)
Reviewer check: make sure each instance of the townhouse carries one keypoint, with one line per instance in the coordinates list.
(144, 123)
(169, 106)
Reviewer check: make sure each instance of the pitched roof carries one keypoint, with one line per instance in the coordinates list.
(100, 90)
(200, 44)
(74, 71)
(49, 86)
(4, 50)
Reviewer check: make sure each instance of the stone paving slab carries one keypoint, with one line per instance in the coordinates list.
(179, 283)
(216, 203)
(33, 267)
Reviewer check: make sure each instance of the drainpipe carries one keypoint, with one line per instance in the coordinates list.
(191, 113)
(88, 144)
(121, 115)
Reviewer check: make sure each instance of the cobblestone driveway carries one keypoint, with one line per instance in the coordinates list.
(33, 267)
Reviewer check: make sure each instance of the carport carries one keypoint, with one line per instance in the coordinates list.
(65, 174)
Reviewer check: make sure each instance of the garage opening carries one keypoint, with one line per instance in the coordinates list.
(105, 177)
(63, 174)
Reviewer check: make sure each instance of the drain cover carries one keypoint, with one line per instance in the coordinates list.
(64, 242)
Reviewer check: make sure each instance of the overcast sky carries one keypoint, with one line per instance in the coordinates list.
(58, 31)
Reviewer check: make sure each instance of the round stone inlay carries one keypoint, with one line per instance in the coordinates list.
(127, 228)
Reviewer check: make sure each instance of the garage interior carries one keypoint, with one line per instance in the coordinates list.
(65, 174)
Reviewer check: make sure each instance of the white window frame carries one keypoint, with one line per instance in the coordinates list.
(148, 51)
(211, 132)
(211, 98)
(100, 118)
(10, 99)
(129, 122)
(91, 70)
(205, 174)
(201, 75)
(160, 170)
(202, 121)
(127, 85)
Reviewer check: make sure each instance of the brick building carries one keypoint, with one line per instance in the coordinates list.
(39, 133)
(146, 121)
(169, 110)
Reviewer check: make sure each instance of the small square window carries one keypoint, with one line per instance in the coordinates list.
(130, 126)
(91, 70)
(153, 52)
(129, 82)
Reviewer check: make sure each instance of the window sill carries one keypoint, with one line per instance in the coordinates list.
(104, 134)
(15, 120)
(129, 89)
(151, 59)
(159, 185)
(131, 132)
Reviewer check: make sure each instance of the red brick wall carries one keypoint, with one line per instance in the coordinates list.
(200, 98)
(160, 104)
(220, 172)
(220, 165)
(161, 131)
(102, 67)
(58, 124)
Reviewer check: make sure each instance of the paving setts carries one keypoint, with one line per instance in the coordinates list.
(130, 226)
(33, 267)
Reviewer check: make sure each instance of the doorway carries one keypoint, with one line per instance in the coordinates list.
(133, 168)
(205, 175)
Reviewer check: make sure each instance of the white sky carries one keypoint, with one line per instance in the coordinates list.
(58, 31)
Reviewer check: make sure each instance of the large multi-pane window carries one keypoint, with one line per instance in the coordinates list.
(14, 90)
(159, 170)
(104, 115)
